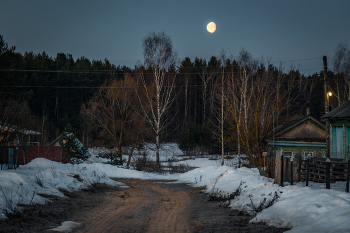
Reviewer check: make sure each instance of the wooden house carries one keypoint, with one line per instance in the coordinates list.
(296, 139)
(302, 135)
(339, 131)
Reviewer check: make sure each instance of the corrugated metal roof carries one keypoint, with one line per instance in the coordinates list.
(343, 111)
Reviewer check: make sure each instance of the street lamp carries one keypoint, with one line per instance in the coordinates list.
(329, 94)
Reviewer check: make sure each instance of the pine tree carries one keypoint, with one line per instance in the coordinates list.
(74, 151)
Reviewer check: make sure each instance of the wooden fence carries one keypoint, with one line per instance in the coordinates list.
(316, 170)
(320, 170)
(11, 156)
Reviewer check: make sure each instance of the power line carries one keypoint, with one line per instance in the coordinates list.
(118, 72)
(135, 87)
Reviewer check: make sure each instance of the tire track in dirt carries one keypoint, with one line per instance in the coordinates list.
(144, 207)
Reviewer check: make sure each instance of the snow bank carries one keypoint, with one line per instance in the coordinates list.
(42, 176)
(67, 226)
(302, 209)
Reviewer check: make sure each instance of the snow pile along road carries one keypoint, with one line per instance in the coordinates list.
(302, 209)
(42, 176)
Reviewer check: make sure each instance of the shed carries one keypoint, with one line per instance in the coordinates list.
(339, 130)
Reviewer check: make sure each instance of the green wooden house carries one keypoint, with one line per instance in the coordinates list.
(339, 120)
(300, 136)
(296, 139)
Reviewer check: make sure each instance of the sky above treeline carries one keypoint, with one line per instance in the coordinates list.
(297, 32)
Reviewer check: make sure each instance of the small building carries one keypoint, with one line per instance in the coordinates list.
(302, 136)
(339, 131)
(295, 139)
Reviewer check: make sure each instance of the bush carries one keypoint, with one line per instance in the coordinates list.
(115, 158)
(225, 197)
(265, 202)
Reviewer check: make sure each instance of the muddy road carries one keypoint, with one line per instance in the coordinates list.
(149, 206)
(146, 206)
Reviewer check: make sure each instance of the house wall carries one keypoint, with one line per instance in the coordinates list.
(340, 139)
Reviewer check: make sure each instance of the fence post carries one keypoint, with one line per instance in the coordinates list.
(299, 171)
(328, 174)
(282, 171)
(307, 170)
(291, 170)
(348, 174)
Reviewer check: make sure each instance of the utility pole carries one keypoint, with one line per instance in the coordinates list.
(326, 103)
(222, 115)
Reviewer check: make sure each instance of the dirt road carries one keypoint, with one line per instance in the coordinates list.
(144, 207)
(162, 207)
(147, 206)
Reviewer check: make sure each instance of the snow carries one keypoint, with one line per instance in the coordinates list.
(67, 226)
(41, 176)
(299, 208)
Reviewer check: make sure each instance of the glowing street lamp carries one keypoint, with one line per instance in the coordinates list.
(329, 94)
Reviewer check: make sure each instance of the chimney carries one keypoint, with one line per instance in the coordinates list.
(307, 108)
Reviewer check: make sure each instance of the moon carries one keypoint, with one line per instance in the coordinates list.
(211, 27)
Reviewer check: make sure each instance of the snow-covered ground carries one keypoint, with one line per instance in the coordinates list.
(302, 209)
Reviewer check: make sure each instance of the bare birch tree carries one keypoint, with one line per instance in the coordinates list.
(156, 94)
(251, 111)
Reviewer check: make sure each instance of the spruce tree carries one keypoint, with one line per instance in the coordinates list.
(74, 151)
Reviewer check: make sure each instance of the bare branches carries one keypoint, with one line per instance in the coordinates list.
(156, 95)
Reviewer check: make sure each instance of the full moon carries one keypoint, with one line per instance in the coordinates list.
(211, 27)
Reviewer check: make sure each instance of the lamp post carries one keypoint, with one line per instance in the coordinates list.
(329, 94)
(326, 103)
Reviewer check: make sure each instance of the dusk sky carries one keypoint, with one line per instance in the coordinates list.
(299, 30)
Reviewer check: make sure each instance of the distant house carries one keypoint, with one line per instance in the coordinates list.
(18, 148)
(56, 142)
(300, 136)
(12, 135)
(296, 139)
(339, 119)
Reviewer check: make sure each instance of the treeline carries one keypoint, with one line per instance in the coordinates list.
(213, 102)
(55, 88)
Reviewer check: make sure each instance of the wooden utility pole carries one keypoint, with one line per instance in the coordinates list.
(222, 116)
(326, 103)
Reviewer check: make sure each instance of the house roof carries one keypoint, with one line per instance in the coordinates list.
(77, 140)
(342, 111)
(292, 124)
(286, 131)
(54, 141)
(5, 127)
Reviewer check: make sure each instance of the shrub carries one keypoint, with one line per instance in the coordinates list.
(225, 197)
(265, 202)
(115, 158)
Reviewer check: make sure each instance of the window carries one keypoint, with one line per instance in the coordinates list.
(288, 154)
